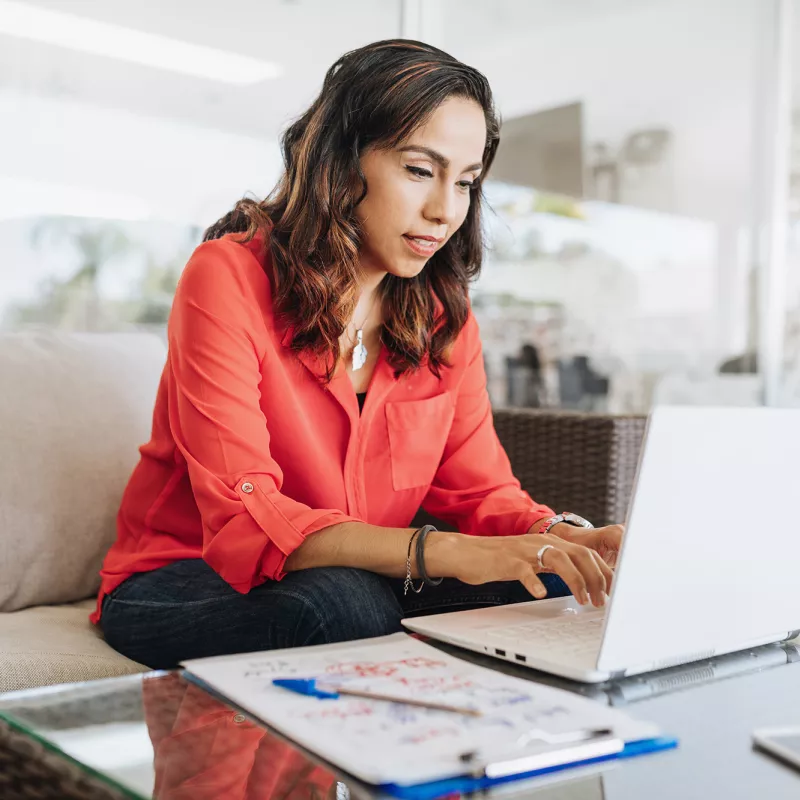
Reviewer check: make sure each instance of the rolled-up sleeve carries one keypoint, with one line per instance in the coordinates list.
(217, 344)
(474, 487)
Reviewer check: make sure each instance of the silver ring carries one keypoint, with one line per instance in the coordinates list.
(541, 553)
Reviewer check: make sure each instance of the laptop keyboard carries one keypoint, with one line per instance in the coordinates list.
(572, 637)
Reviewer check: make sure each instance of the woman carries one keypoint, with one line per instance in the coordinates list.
(324, 379)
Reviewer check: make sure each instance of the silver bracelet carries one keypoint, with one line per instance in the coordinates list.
(409, 584)
(564, 516)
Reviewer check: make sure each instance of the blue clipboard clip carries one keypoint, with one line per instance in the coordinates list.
(565, 750)
(467, 783)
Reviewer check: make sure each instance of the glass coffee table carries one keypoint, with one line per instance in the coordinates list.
(158, 735)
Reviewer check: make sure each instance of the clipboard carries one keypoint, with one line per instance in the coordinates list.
(410, 752)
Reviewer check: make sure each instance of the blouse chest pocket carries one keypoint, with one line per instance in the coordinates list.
(418, 431)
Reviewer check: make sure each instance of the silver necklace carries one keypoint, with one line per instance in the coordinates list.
(360, 351)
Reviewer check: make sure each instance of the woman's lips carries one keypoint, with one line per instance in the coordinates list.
(422, 247)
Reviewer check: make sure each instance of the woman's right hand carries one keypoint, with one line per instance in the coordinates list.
(482, 559)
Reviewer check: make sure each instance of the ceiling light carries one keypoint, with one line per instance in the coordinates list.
(126, 44)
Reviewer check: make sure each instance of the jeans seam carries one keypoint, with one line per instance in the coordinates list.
(311, 635)
(304, 600)
(206, 601)
(181, 604)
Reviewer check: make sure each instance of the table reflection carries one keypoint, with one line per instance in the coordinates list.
(204, 750)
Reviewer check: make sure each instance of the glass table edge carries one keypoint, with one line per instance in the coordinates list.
(40, 692)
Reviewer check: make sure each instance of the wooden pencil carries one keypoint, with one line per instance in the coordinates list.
(471, 712)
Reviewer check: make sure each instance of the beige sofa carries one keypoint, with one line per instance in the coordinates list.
(74, 408)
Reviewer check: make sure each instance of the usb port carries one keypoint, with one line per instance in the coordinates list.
(499, 652)
(520, 658)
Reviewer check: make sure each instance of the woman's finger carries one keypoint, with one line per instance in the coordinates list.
(530, 580)
(608, 573)
(556, 560)
(585, 561)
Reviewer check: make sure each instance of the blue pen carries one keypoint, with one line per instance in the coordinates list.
(311, 687)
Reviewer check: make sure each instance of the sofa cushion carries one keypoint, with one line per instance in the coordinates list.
(74, 408)
(55, 644)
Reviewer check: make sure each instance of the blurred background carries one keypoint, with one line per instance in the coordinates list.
(645, 224)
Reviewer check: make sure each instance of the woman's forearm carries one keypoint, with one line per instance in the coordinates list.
(471, 559)
(374, 548)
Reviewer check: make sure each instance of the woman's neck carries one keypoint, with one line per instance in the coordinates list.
(367, 308)
(370, 282)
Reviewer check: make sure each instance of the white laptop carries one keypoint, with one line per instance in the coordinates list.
(710, 563)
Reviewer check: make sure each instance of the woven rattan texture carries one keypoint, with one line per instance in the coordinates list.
(29, 771)
(584, 463)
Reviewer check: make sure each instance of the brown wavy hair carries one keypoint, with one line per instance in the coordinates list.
(376, 96)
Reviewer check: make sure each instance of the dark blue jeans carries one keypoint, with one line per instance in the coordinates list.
(185, 610)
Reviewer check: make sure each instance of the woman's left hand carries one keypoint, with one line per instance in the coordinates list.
(606, 542)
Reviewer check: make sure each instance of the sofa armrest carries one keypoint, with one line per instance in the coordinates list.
(571, 461)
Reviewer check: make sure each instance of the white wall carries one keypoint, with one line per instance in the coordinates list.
(58, 156)
(687, 66)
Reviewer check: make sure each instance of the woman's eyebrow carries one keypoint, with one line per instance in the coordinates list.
(436, 156)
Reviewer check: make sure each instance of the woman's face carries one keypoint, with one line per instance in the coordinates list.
(418, 193)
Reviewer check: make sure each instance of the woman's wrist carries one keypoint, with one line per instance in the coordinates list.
(441, 549)
(561, 529)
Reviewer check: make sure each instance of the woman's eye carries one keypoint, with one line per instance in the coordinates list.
(420, 172)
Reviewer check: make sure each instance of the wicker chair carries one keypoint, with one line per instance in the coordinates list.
(580, 462)
(584, 463)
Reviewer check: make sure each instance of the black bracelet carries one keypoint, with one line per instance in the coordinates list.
(409, 584)
(426, 579)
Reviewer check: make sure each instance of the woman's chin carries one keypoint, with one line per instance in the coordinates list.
(407, 268)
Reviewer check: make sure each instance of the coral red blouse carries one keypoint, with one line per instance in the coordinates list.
(250, 453)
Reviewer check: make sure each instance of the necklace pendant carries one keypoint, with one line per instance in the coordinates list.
(359, 351)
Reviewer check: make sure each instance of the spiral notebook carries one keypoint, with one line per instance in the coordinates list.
(418, 752)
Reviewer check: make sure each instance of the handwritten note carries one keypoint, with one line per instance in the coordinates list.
(383, 742)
